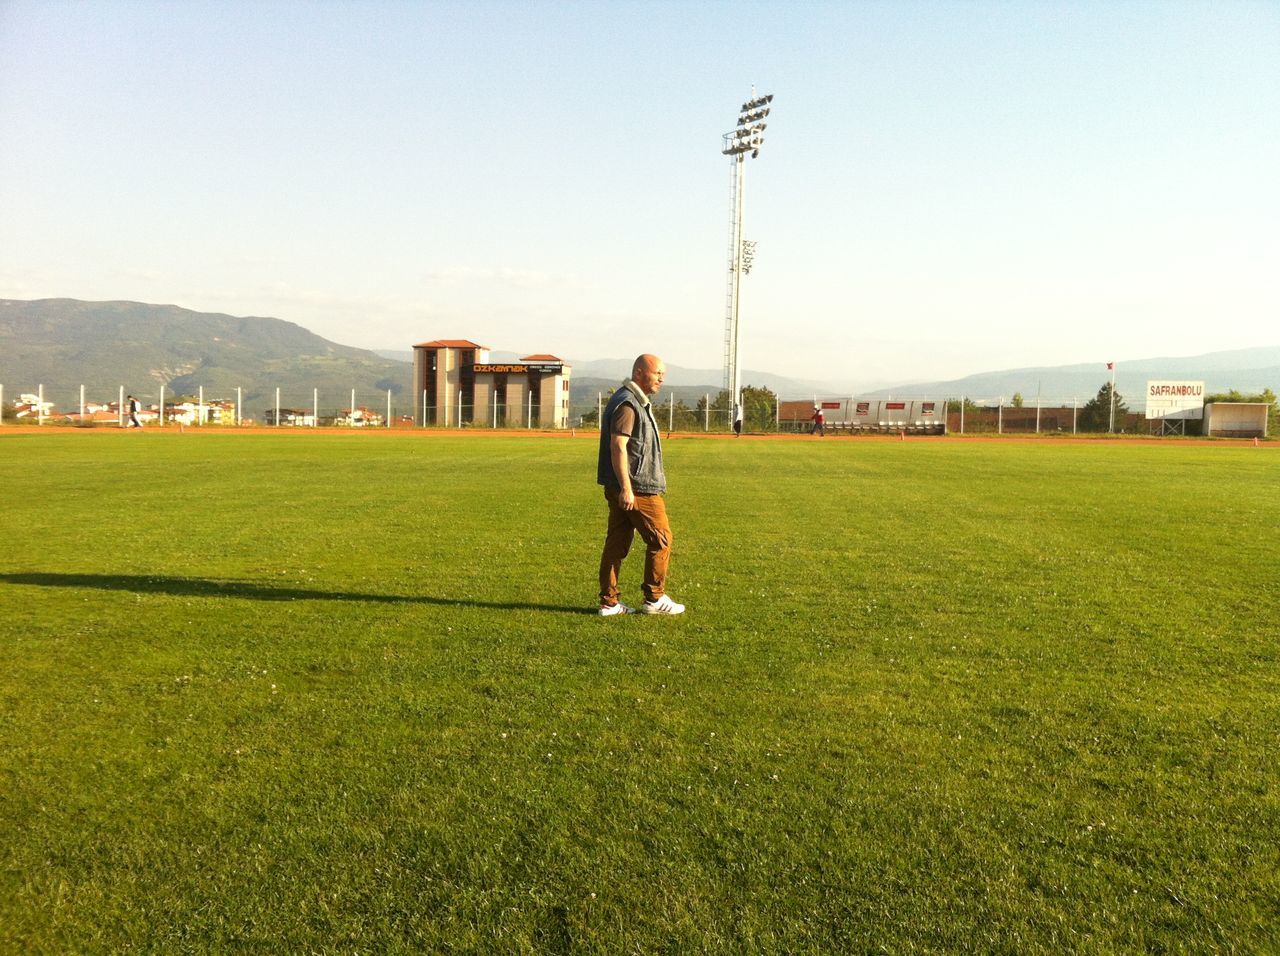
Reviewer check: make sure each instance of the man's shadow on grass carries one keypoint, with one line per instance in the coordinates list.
(252, 591)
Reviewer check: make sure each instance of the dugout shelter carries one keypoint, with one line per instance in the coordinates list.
(1236, 419)
(870, 416)
(913, 415)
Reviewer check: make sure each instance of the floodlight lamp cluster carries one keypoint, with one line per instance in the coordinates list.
(748, 137)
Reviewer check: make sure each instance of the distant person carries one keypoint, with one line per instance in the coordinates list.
(630, 469)
(133, 414)
(819, 422)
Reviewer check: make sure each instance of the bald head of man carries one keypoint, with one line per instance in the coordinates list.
(648, 372)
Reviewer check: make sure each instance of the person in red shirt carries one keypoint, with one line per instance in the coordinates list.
(819, 422)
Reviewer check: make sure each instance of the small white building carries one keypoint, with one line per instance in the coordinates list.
(290, 417)
(29, 405)
(194, 413)
(360, 417)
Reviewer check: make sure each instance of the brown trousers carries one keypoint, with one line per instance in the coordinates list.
(650, 519)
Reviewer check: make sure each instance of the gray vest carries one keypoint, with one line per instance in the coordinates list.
(644, 448)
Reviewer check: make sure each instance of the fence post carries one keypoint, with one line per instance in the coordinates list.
(315, 407)
(494, 403)
(599, 407)
(1037, 413)
(161, 405)
(82, 402)
(671, 412)
(277, 418)
(119, 405)
(529, 423)
(459, 407)
(200, 420)
(1, 404)
(351, 415)
(963, 399)
(1000, 417)
(1073, 414)
(40, 405)
(424, 408)
(388, 408)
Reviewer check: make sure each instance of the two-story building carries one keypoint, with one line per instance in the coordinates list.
(455, 384)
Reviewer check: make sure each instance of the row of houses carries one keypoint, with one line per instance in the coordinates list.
(29, 407)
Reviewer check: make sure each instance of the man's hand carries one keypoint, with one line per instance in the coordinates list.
(618, 455)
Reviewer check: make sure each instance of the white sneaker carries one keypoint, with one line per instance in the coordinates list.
(608, 610)
(664, 605)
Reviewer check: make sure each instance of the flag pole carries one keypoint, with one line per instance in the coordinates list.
(1111, 427)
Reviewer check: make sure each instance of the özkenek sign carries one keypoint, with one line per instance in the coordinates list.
(1175, 399)
(515, 368)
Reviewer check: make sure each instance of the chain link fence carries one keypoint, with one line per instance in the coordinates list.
(78, 406)
(1002, 416)
(761, 413)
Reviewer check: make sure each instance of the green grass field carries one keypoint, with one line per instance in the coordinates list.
(345, 693)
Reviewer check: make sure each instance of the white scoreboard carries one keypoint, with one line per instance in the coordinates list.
(1175, 400)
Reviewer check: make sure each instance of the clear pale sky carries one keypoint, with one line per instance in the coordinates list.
(945, 188)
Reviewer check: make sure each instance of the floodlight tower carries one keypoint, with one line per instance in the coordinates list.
(746, 139)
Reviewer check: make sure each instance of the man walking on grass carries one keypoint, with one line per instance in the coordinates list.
(630, 468)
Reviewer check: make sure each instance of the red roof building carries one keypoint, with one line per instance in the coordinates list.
(454, 383)
(452, 344)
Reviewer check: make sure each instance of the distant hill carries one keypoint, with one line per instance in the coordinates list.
(688, 385)
(1248, 370)
(64, 343)
(591, 376)
(703, 380)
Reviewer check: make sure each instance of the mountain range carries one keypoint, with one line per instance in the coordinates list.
(66, 343)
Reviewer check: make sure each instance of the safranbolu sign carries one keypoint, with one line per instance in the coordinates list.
(1175, 399)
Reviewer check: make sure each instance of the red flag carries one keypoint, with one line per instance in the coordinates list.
(1111, 365)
